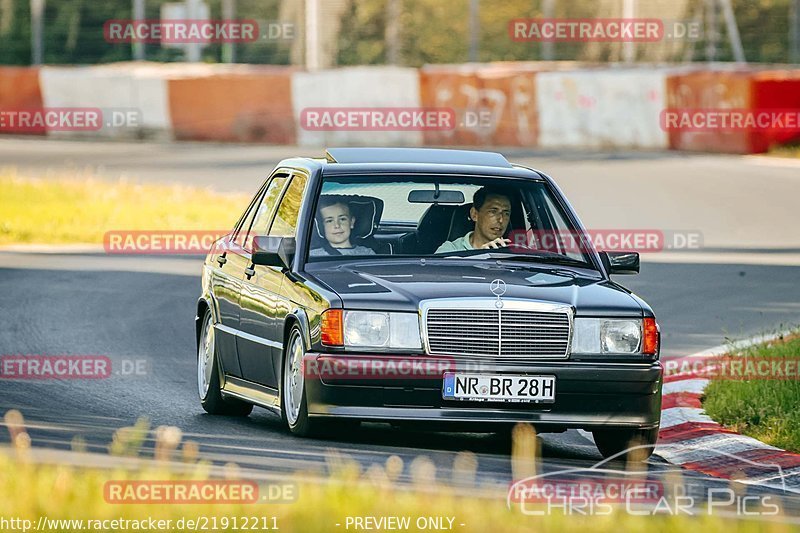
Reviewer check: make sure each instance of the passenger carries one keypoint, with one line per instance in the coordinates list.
(337, 223)
(491, 212)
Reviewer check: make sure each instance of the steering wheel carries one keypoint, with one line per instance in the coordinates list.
(518, 247)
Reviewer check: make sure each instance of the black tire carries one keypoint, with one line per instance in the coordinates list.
(212, 400)
(637, 443)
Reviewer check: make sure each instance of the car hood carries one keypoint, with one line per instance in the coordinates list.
(401, 285)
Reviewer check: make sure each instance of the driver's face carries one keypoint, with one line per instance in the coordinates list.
(491, 220)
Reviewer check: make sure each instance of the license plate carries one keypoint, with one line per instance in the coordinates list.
(499, 388)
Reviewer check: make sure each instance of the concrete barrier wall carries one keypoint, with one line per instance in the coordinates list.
(253, 106)
(602, 108)
(19, 91)
(529, 104)
(356, 87)
(114, 91)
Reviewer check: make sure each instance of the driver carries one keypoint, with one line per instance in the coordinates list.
(491, 212)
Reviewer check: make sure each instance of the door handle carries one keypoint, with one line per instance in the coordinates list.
(250, 271)
(222, 260)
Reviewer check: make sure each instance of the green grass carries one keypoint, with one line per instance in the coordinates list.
(766, 409)
(786, 150)
(29, 490)
(78, 209)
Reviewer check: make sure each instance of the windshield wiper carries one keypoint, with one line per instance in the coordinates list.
(550, 258)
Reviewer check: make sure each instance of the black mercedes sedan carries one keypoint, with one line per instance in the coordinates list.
(421, 285)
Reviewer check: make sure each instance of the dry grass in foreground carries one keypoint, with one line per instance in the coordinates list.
(29, 491)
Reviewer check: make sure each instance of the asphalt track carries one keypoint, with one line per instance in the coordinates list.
(142, 308)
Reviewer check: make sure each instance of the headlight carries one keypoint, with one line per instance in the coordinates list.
(603, 335)
(620, 336)
(371, 329)
(366, 329)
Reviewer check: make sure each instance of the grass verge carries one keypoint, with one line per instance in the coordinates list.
(70, 210)
(786, 150)
(766, 409)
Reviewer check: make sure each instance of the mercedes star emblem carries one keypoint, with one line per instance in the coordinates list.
(498, 287)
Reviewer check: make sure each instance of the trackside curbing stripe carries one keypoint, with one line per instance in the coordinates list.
(681, 415)
(681, 399)
(691, 439)
(696, 386)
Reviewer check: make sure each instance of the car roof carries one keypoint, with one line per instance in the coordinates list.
(343, 161)
(416, 155)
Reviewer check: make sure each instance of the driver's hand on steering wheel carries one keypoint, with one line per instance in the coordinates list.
(497, 243)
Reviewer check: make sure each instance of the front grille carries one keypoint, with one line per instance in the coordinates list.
(511, 333)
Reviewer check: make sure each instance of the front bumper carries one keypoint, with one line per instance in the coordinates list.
(588, 395)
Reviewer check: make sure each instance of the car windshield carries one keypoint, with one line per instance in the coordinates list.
(444, 216)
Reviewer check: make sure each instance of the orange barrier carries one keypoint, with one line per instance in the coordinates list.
(250, 106)
(517, 122)
(495, 103)
(710, 90)
(19, 91)
(453, 87)
(771, 95)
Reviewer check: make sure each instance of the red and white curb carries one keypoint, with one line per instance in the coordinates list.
(691, 439)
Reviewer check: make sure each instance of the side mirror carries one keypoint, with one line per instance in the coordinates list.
(274, 251)
(620, 262)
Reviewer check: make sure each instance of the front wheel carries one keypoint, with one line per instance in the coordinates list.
(294, 406)
(208, 376)
(294, 409)
(637, 444)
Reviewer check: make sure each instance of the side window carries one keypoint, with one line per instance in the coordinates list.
(285, 223)
(247, 218)
(263, 214)
(564, 238)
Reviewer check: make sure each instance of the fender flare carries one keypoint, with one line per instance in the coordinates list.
(208, 301)
(299, 315)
